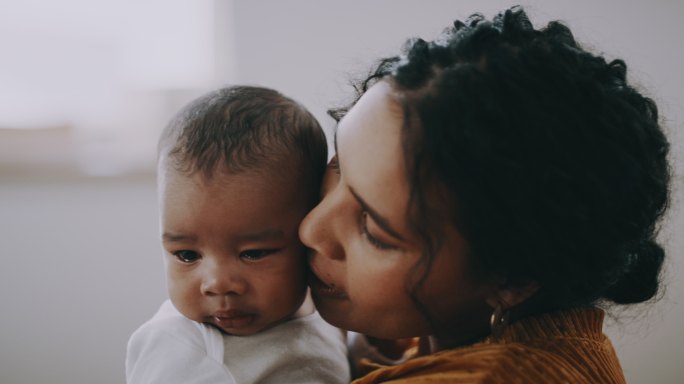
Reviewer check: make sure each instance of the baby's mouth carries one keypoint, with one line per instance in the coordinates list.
(232, 319)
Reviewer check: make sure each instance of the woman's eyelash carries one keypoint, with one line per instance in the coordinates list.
(371, 239)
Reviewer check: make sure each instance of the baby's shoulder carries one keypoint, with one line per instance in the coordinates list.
(169, 325)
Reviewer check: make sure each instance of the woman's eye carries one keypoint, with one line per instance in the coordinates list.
(186, 256)
(374, 241)
(256, 254)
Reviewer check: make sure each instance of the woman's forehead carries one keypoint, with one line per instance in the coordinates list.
(370, 153)
(376, 119)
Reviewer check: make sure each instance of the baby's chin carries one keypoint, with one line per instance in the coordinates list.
(246, 325)
(235, 332)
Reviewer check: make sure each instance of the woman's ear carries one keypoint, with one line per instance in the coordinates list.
(509, 295)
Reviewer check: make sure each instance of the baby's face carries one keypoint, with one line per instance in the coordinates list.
(232, 255)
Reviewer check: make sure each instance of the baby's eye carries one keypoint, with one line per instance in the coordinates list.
(256, 254)
(186, 256)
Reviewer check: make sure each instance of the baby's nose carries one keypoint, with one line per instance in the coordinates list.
(221, 281)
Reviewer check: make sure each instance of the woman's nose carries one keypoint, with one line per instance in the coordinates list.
(220, 280)
(321, 228)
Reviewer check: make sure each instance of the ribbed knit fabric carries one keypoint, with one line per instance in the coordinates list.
(563, 347)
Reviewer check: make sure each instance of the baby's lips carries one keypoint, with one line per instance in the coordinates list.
(230, 314)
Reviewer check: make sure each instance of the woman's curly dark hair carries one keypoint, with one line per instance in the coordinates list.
(556, 170)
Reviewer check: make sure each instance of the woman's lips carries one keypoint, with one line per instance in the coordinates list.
(322, 289)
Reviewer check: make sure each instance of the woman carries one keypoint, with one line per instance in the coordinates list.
(493, 188)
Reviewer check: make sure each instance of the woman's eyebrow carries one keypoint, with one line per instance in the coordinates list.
(379, 219)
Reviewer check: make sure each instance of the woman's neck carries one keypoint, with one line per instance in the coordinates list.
(435, 343)
(432, 344)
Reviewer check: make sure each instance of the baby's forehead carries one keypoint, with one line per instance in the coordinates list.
(243, 202)
(275, 166)
(280, 181)
(274, 171)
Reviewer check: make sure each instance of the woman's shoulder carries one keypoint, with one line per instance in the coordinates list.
(503, 363)
(557, 348)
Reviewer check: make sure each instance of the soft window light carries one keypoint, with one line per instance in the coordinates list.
(110, 71)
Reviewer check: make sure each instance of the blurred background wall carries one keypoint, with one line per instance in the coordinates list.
(86, 86)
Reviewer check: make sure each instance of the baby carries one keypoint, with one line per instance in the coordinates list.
(238, 169)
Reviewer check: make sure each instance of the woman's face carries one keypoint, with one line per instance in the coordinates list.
(364, 255)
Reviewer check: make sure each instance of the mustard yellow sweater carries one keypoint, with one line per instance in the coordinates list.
(563, 347)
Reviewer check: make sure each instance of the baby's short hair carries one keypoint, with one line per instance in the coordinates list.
(242, 128)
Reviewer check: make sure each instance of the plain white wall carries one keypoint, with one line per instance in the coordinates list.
(81, 270)
(82, 267)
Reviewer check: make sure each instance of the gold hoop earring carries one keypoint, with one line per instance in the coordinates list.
(499, 320)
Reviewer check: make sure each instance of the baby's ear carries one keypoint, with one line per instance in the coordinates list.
(510, 295)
